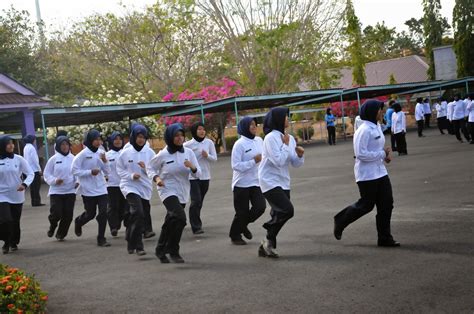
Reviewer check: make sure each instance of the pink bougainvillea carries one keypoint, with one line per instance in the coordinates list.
(351, 108)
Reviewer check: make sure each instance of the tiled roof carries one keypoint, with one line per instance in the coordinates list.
(16, 98)
(405, 70)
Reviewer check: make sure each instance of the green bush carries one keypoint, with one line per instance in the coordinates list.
(20, 293)
(306, 133)
(230, 141)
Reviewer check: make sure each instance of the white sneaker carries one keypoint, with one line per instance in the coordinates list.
(266, 250)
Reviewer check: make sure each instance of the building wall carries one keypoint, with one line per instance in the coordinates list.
(445, 63)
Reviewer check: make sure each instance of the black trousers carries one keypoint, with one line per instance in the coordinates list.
(401, 142)
(199, 189)
(427, 120)
(420, 124)
(450, 125)
(282, 211)
(35, 187)
(442, 124)
(172, 228)
(61, 212)
(331, 135)
(117, 209)
(460, 125)
(148, 223)
(91, 204)
(243, 213)
(393, 143)
(372, 193)
(471, 130)
(10, 215)
(136, 221)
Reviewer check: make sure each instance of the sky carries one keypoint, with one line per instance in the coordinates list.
(61, 13)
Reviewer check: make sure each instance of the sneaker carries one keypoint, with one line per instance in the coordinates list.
(5, 249)
(390, 243)
(77, 229)
(266, 249)
(103, 243)
(199, 231)
(60, 239)
(14, 247)
(247, 234)
(176, 258)
(141, 252)
(239, 241)
(149, 234)
(131, 251)
(162, 257)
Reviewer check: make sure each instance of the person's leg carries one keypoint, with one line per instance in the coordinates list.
(368, 197)
(6, 226)
(35, 190)
(148, 229)
(427, 120)
(464, 130)
(457, 129)
(102, 219)
(258, 204)
(241, 217)
(420, 127)
(393, 142)
(113, 209)
(384, 205)
(282, 210)
(471, 130)
(16, 210)
(55, 212)
(136, 223)
(328, 128)
(123, 210)
(89, 211)
(177, 221)
(195, 206)
(69, 201)
(440, 125)
(403, 143)
(333, 134)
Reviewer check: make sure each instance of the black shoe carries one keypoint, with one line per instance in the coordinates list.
(77, 229)
(149, 234)
(247, 233)
(5, 249)
(390, 243)
(239, 241)
(472, 142)
(103, 243)
(176, 258)
(162, 257)
(199, 231)
(114, 232)
(37, 205)
(50, 232)
(14, 247)
(141, 252)
(60, 239)
(131, 251)
(267, 249)
(337, 231)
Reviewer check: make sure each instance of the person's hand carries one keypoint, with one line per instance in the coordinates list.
(258, 158)
(95, 172)
(141, 164)
(204, 154)
(387, 150)
(159, 182)
(286, 138)
(59, 181)
(299, 151)
(189, 165)
(76, 185)
(21, 188)
(388, 155)
(103, 158)
(136, 176)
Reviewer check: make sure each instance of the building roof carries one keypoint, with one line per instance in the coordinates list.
(405, 70)
(15, 95)
(16, 98)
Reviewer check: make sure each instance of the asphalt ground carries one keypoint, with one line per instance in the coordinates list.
(432, 272)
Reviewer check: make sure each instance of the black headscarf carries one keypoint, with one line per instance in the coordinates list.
(4, 140)
(328, 111)
(419, 100)
(275, 120)
(244, 127)
(90, 137)
(194, 129)
(112, 138)
(397, 107)
(29, 139)
(61, 133)
(170, 133)
(137, 130)
(59, 140)
(369, 110)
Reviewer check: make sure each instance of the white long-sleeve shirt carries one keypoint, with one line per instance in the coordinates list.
(31, 156)
(459, 110)
(273, 170)
(82, 165)
(399, 122)
(426, 108)
(441, 109)
(419, 112)
(369, 151)
(59, 167)
(245, 169)
(470, 110)
(449, 111)
(11, 170)
(113, 179)
(205, 163)
(175, 176)
(127, 165)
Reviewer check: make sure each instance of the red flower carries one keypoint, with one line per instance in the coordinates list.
(22, 289)
(8, 288)
(44, 298)
(10, 306)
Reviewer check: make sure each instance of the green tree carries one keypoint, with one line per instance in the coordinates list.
(353, 32)
(463, 21)
(379, 42)
(432, 31)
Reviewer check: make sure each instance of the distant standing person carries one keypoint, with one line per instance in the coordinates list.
(449, 116)
(331, 126)
(388, 120)
(459, 121)
(31, 156)
(470, 118)
(399, 129)
(427, 112)
(441, 114)
(205, 152)
(371, 177)
(419, 116)
(12, 192)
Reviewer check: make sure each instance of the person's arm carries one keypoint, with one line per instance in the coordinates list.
(278, 152)
(296, 161)
(193, 160)
(404, 121)
(236, 159)
(121, 167)
(48, 172)
(76, 167)
(212, 155)
(394, 122)
(361, 148)
(27, 171)
(153, 168)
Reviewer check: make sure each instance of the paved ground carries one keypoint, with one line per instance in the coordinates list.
(432, 271)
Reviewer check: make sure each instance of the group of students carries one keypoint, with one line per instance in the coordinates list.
(118, 184)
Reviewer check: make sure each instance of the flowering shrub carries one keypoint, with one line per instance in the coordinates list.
(351, 108)
(20, 293)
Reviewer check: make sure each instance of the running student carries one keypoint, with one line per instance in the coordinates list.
(279, 152)
(31, 156)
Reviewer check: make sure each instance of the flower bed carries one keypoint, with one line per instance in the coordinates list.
(20, 293)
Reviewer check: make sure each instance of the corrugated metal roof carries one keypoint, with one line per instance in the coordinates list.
(16, 98)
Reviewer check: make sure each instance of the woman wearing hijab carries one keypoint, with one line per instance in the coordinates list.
(31, 156)
(419, 116)
(399, 129)
(279, 152)
(205, 152)
(331, 126)
(62, 188)
(371, 176)
(136, 186)
(427, 112)
(12, 192)
(90, 166)
(246, 156)
(118, 205)
(170, 170)
(441, 114)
